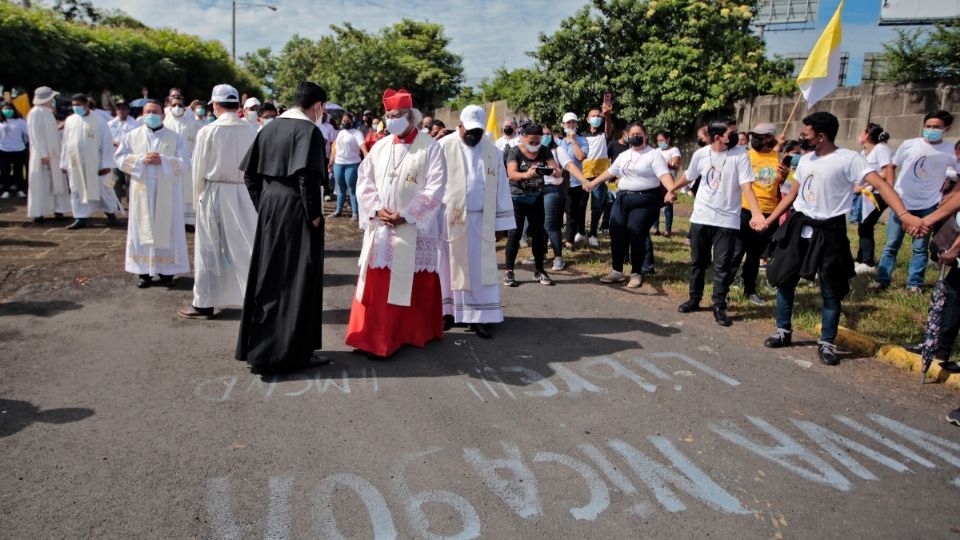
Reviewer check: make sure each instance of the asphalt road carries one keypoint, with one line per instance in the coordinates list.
(594, 412)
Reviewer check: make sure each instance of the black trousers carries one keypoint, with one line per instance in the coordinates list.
(576, 204)
(950, 324)
(750, 247)
(634, 212)
(717, 243)
(533, 214)
(12, 165)
(867, 245)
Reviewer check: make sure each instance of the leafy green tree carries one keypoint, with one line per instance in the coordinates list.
(263, 65)
(668, 63)
(924, 56)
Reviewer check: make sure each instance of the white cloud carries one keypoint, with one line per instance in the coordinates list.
(487, 33)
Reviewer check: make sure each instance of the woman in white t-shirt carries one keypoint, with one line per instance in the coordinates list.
(349, 152)
(639, 172)
(879, 156)
(13, 152)
(671, 154)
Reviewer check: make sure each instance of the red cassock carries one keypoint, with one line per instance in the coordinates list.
(380, 328)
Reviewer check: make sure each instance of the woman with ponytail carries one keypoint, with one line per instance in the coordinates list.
(878, 154)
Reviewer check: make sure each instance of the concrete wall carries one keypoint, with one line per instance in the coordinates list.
(451, 117)
(898, 108)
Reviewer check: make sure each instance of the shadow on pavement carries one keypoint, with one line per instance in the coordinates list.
(16, 415)
(38, 309)
(27, 243)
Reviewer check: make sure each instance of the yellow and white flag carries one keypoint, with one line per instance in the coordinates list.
(821, 73)
(492, 129)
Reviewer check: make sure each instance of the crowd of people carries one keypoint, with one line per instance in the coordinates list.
(433, 202)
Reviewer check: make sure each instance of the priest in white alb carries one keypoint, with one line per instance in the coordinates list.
(181, 122)
(152, 157)
(47, 192)
(87, 160)
(477, 204)
(400, 189)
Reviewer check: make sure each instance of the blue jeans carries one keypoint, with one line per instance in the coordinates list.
(856, 211)
(831, 308)
(918, 262)
(553, 204)
(667, 219)
(346, 178)
(601, 203)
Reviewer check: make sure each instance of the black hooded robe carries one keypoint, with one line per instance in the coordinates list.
(283, 304)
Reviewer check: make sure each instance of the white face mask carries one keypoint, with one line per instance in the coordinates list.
(252, 116)
(533, 148)
(177, 111)
(266, 121)
(397, 126)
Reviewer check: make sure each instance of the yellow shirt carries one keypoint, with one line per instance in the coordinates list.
(765, 184)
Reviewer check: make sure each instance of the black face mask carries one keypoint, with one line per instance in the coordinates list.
(636, 140)
(472, 137)
(346, 126)
(732, 139)
(760, 144)
(807, 145)
(508, 131)
(701, 143)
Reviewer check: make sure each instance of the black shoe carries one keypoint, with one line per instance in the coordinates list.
(827, 353)
(508, 279)
(144, 281)
(950, 366)
(112, 220)
(167, 281)
(59, 216)
(720, 315)
(689, 306)
(542, 277)
(40, 219)
(448, 322)
(779, 338)
(78, 223)
(954, 417)
(482, 330)
(190, 228)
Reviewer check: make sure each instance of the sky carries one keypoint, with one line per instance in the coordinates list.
(487, 33)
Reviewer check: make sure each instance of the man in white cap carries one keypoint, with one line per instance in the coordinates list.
(251, 109)
(87, 160)
(576, 148)
(477, 204)
(47, 191)
(226, 217)
(181, 122)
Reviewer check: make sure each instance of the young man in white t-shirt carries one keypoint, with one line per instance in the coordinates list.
(715, 222)
(923, 164)
(813, 241)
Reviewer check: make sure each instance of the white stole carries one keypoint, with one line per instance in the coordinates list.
(188, 131)
(83, 150)
(153, 227)
(406, 182)
(455, 201)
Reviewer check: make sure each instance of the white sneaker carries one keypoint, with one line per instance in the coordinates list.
(21, 195)
(861, 268)
(6, 195)
(578, 239)
(558, 264)
(593, 242)
(613, 277)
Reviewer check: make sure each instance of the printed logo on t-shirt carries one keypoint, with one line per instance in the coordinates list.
(766, 176)
(808, 191)
(919, 168)
(713, 178)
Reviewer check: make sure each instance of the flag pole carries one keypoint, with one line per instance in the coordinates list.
(792, 112)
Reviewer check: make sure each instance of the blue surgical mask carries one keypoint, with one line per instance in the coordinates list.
(933, 135)
(78, 109)
(8, 113)
(595, 121)
(662, 146)
(201, 112)
(152, 121)
(794, 160)
(546, 140)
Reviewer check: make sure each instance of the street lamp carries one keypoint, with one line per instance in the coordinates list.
(234, 33)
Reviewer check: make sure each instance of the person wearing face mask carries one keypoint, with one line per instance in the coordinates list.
(87, 159)
(349, 152)
(527, 164)
(426, 125)
(510, 138)
(595, 163)
(639, 172)
(769, 174)
(366, 123)
(400, 188)
(671, 154)
(715, 222)
(477, 207)
(119, 126)
(813, 242)
(178, 121)
(280, 327)
(47, 190)
(329, 134)
(154, 158)
(575, 146)
(923, 164)
(268, 112)
(251, 110)
(554, 198)
(13, 151)
(377, 132)
(226, 217)
(873, 140)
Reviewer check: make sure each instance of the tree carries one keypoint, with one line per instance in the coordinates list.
(263, 65)
(919, 56)
(79, 11)
(666, 62)
(355, 66)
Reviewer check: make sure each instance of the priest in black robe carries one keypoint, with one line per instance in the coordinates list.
(280, 327)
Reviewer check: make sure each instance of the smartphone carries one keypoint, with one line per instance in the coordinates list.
(787, 159)
(544, 171)
(608, 99)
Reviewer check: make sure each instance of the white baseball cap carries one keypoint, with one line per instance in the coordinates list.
(472, 117)
(251, 102)
(224, 93)
(569, 116)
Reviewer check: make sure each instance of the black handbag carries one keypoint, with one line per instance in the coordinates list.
(944, 237)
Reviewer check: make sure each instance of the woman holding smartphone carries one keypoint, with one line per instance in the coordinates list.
(527, 165)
